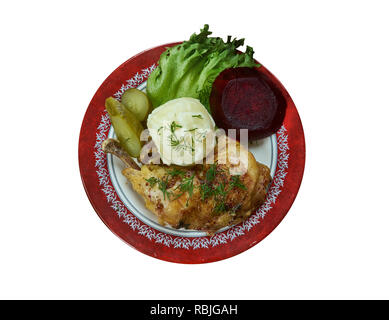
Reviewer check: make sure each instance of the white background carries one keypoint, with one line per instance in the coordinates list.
(333, 58)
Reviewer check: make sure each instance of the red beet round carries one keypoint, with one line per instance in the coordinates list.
(244, 98)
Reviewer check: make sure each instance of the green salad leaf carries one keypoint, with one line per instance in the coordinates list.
(190, 68)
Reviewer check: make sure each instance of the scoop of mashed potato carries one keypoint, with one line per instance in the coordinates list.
(183, 131)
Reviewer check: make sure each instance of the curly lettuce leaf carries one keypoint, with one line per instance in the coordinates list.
(190, 68)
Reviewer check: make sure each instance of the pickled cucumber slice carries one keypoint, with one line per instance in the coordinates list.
(137, 102)
(126, 125)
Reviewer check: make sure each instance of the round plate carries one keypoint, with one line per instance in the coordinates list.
(123, 211)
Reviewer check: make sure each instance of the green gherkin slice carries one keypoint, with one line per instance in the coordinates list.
(137, 102)
(126, 125)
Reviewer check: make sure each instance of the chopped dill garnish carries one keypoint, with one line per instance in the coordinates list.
(162, 185)
(220, 207)
(181, 144)
(199, 116)
(219, 191)
(186, 186)
(153, 181)
(174, 126)
(174, 142)
(235, 182)
(176, 172)
(193, 144)
(220, 197)
(211, 172)
(205, 191)
(190, 130)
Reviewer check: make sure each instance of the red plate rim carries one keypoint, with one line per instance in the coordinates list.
(92, 163)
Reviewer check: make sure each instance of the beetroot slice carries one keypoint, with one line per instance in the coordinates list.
(244, 98)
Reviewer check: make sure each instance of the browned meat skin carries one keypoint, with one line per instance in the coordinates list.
(195, 212)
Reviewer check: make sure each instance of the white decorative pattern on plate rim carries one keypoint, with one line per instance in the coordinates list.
(163, 238)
